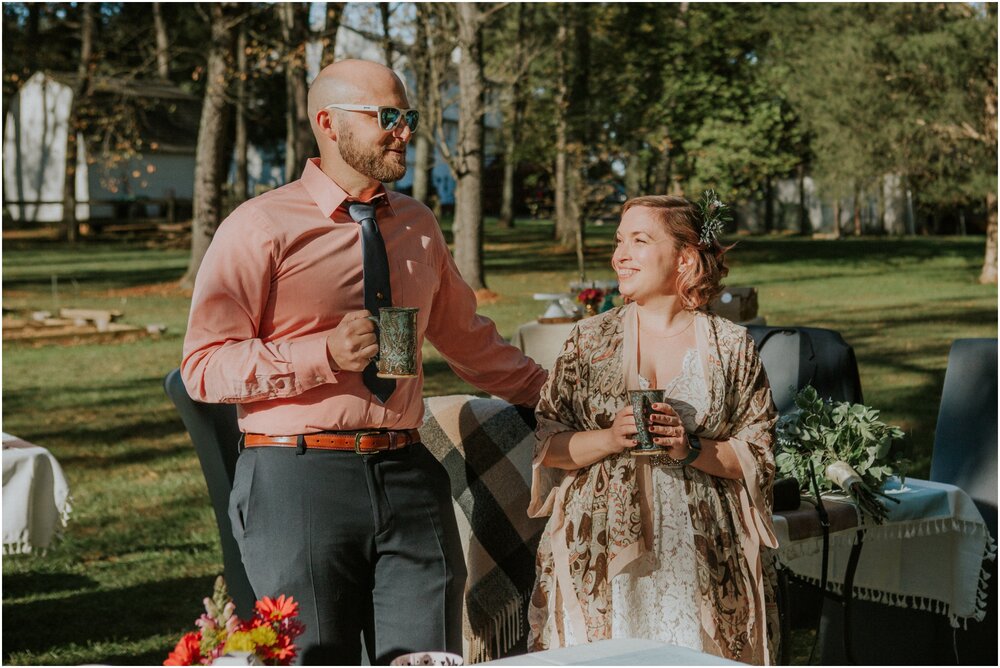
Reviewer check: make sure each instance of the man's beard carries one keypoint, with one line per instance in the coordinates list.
(372, 162)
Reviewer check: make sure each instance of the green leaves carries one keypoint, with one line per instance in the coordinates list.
(827, 432)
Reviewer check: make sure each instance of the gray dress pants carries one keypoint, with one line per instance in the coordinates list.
(365, 544)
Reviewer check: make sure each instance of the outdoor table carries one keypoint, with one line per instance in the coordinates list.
(36, 502)
(616, 653)
(542, 342)
(927, 555)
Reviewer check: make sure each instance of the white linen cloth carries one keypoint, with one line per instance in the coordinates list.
(616, 652)
(36, 500)
(928, 554)
(542, 342)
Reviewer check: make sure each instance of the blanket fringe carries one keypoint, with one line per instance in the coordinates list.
(500, 634)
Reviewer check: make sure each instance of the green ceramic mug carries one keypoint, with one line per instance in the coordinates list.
(642, 407)
(396, 328)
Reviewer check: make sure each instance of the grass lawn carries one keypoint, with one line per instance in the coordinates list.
(141, 550)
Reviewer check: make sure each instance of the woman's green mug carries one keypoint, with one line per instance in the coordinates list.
(642, 407)
(396, 328)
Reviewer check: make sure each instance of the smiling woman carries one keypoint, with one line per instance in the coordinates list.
(633, 547)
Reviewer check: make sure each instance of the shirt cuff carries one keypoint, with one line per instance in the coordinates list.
(311, 363)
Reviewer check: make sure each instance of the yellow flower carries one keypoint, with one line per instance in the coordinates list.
(264, 635)
(241, 641)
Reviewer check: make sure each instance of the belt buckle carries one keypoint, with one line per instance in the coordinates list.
(357, 441)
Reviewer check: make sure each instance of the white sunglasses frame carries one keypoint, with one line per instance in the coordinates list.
(378, 113)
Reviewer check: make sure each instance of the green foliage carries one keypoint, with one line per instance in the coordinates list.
(827, 432)
(824, 433)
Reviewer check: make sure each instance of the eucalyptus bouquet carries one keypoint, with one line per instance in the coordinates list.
(846, 442)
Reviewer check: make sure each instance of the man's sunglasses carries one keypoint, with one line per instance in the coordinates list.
(388, 117)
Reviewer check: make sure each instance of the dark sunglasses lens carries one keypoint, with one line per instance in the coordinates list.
(388, 117)
(412, 118)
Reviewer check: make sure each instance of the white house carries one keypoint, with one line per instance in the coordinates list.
(34, 149)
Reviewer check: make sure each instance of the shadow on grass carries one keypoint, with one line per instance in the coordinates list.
(129, 613)
(120, 278)
(21, 585)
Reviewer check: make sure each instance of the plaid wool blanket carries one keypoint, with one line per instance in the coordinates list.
(486, 447)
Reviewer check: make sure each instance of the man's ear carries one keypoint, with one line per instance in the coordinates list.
(324, 121)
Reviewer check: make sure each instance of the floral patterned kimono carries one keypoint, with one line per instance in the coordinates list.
(603, 517)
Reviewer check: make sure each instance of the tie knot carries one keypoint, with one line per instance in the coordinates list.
(361, 211)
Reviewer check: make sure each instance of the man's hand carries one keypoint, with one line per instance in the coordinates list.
(353, 343)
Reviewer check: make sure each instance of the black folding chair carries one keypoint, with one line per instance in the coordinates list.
(215, 435)
(794, 357)
(965, 455)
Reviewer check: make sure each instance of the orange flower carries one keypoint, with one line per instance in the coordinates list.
(187, 652)
(277, 609)
(282, 651)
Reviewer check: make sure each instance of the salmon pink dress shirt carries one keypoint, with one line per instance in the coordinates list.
(283, 270)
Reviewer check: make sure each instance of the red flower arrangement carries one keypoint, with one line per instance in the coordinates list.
(268, 635)
(592, 296)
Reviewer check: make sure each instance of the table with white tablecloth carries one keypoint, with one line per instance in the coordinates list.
(928, 554)
(617, 652)
(36, 499)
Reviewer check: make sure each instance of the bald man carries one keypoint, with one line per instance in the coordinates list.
(335, 501)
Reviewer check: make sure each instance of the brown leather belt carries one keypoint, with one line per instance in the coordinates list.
(362, 442)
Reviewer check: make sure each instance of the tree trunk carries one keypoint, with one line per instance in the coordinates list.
(563, 231)
(633, 171)
(162, 46)
(512, 125)
(386, 39)
(81, 91)
(768, 205)
(468, 226)
(299, 142)
(334, 12)
(208, 170)
(857, 210)
(241, 186)
(836, 218)
(805, 225)
(989, 273)
(423, 153)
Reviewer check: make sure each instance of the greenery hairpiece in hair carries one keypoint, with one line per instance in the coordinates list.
(714, 216)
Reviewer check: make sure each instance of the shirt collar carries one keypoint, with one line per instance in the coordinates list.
(327, 194)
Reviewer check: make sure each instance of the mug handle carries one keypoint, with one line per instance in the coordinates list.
(378, 334)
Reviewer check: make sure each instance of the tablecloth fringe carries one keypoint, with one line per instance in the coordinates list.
(922, 602)
(894, 531)
(506, 629)
(918, 528)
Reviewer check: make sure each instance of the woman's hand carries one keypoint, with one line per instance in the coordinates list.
(623, 430)
(668, 431)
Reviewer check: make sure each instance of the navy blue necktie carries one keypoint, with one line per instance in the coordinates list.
(377, 290)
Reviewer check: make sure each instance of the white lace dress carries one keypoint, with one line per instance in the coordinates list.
(659, 601)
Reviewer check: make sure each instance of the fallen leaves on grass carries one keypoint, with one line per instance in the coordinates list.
(485, 296)
(170, 289)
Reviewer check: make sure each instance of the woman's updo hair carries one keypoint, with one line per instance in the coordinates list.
(682, 220)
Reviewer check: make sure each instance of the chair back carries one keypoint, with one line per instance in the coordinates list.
(215, 434)
(965, 441)
(794, 357)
